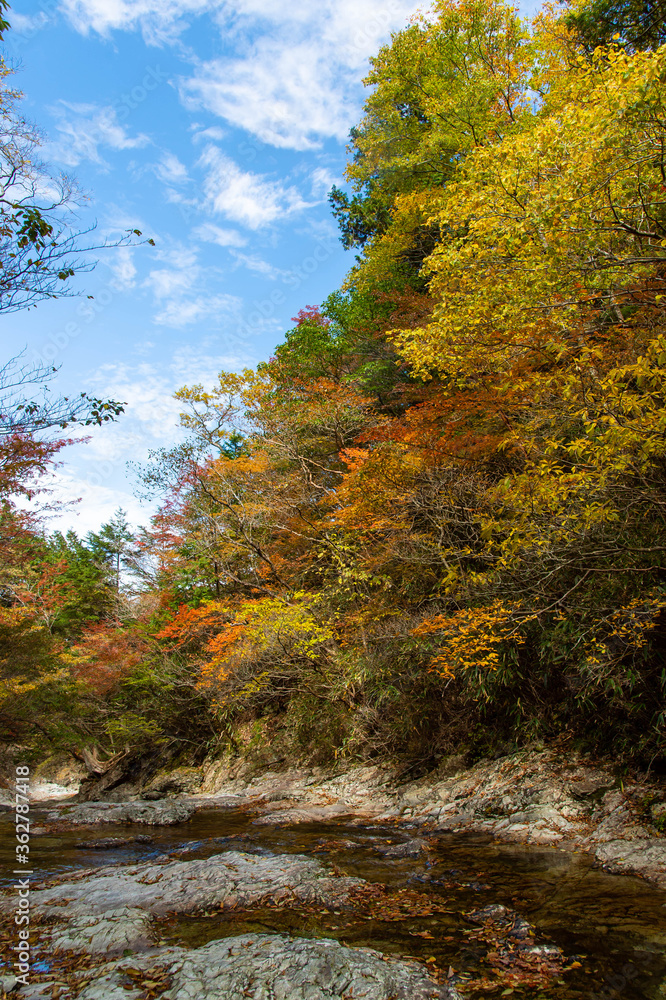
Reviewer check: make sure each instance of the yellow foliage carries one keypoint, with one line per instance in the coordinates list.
(471, 638)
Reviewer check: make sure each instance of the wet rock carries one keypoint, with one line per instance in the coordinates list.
(269, 967)
(508, 921)
(645, 855)
(549, 951)
(534, 797)
(510, 940)
(335, 844)
(311, 814)
(110, 842)
(115, 903)
(409, 849)
(113, 932)
(147, 813)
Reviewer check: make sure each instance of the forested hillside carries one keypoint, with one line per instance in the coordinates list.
(433, 521)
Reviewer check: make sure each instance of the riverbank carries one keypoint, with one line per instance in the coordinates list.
(303, 883)
(531, 797)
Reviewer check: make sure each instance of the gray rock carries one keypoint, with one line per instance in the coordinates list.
(104, 843)
(111, 933)
(658, 811)
(147, 813)
(181, 780)
(7, 983)
(110, 907)
(410, 849)
(271, 967)
(591, 787)
(626, 856)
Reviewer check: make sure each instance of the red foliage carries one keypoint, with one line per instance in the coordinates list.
(105, 654)
(310, 315)
(22, 460)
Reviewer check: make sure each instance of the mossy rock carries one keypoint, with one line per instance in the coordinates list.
(180, 780)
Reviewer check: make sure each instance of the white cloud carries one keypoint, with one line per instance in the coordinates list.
(83, 129)
(26, 24)
(322, 182)
(170, 170)
(96, 471)
(212, 134)
(171, 282)
(210, 233)
(256, 264)
(294, 79)
(181, 291)
(179, 312)
(123, 269)
(285, 95)
(247, 198)
(99, 503)
(297, 81)
(159, 21)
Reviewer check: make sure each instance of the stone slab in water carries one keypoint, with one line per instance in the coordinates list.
(233, 880)
(270, 967)
(149, 813)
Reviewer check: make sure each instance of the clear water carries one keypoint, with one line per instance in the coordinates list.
(614, 925)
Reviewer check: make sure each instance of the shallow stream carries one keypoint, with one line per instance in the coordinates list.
(614, 926)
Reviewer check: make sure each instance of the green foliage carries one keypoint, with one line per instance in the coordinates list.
(432, 521)
(85, 595)
(113, 547)
(362, 216)
(638, 24)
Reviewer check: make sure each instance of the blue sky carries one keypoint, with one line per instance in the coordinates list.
(217, 128)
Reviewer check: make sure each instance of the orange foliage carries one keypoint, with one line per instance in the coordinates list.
(193, 626)
(106, 654)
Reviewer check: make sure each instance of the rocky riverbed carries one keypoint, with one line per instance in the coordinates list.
(533, 797)
(109, 913)
(303, 883)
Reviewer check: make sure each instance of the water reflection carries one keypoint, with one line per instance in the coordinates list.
(615, 924)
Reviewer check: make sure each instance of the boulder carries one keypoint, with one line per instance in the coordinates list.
(268, 967)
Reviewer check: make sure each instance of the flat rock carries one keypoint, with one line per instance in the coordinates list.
(409, 849)
(110, 933)
(269, 967)
(104, 843)
(109, 908)
(146, 813)
(646, 856)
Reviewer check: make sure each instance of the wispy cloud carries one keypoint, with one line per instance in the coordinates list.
(257, 264)
(84, 129)
(181, 291)
(123, 269)
(212, 134)
(170, 170)
(186, 311)
(160, 21)
(244, 197)
(322, 181)
(27, 24)
(210, 233)
(297, 81)
(294, 79)
(285, 95)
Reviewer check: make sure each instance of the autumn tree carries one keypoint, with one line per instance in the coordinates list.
(638, 24)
